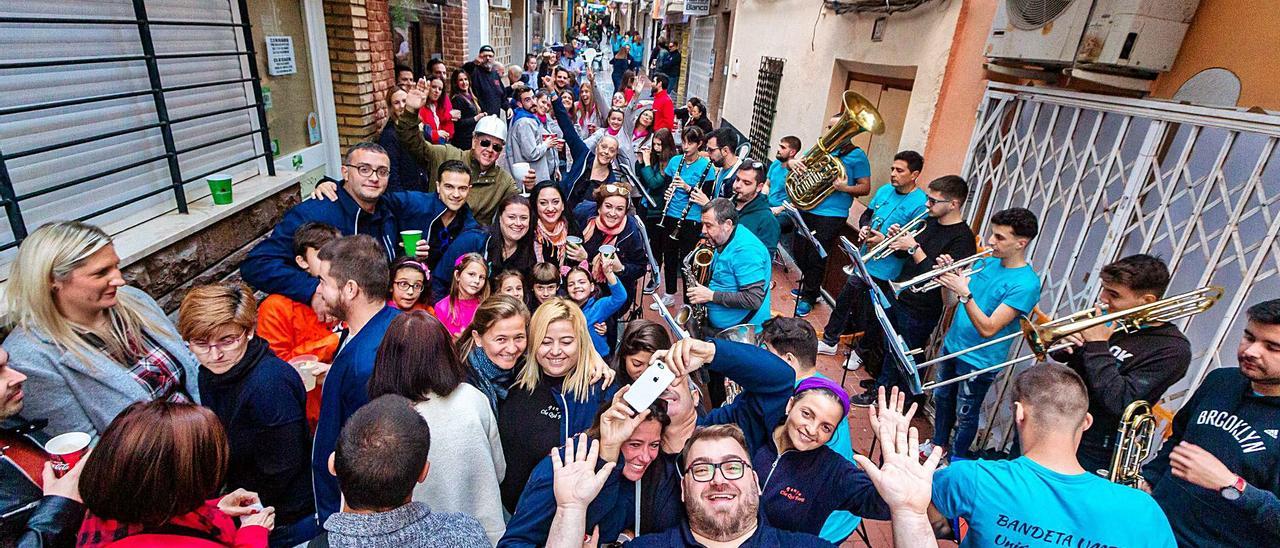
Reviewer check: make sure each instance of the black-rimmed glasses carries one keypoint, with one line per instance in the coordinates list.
(366, 170)
(703, 472)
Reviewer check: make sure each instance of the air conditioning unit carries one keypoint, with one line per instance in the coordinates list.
(500, 4)
(1132, 38)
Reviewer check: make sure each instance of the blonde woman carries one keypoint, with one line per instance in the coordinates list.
(89, 344)
(554, 396)
(493, 345)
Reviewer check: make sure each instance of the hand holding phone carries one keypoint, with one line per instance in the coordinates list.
(648, 386)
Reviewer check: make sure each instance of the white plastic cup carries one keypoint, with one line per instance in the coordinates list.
(304, 364)
(519, 171)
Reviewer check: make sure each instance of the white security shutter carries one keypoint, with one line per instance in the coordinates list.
(702, 58)
(56, 182)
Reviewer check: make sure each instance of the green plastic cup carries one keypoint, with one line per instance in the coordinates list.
(220, 188)
(410, 239)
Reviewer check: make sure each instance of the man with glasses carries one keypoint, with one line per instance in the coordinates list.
(916, 314)
(753, 205)
(720, 490)
(722, 149)
(531, 141)
(490, 184)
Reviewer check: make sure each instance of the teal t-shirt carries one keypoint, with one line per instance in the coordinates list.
(699, 168)
(742, 262)
(840, 524)
(777, 177)
(856, 166)
(890, 208)
(1021, 503)
(992, 286)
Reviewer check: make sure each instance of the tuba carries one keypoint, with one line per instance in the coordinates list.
(1134, 439)
(697, 269)
(806, 190)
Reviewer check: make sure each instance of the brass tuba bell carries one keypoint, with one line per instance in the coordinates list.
(806, 190)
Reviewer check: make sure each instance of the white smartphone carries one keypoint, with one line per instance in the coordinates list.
(656, 378)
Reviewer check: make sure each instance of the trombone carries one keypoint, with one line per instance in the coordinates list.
(913, 228)
(1044, 338)
(928, 281)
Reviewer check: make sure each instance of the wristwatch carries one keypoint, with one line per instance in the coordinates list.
(1235, 490)
(964, 299)
(912, 250)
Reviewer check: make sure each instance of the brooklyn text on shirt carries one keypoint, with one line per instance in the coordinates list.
(1250, 441)
(1023, 531)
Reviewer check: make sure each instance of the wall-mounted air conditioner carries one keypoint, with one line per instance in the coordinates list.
(500, 4)
(1124, 40)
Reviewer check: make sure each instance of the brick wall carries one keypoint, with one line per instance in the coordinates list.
(456, 48)
(360, 56)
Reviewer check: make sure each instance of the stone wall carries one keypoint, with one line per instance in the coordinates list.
(360, 56)
(210, 255)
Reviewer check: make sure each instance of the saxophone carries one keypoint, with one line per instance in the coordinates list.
(1134, 438)
(696, 269)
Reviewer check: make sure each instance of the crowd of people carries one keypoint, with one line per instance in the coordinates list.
(438, 351)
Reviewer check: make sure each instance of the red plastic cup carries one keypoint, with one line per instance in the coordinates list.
(66, 450)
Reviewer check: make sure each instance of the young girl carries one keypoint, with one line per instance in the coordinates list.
(546, 282)
(465, 293)
(410, 289)
(598, 310)
(510, 282)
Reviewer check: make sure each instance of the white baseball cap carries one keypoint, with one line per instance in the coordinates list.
(492, 125)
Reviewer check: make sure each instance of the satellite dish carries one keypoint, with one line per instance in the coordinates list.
(1215, 87)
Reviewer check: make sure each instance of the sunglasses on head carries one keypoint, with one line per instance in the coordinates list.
(491, 145)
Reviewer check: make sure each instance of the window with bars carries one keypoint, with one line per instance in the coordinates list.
(109, 109)
(767, 84)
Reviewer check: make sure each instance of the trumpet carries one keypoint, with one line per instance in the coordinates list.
(1044, 338)
(1134, 439)
(928, 281)
(913, 228)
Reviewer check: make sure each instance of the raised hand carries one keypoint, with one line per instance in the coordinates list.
(575, 481)
(902, 480)
(890, 411)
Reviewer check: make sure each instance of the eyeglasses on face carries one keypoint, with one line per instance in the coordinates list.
(930, 200)
(224, 345)
(403, 285)
(491, 145)
(366, 170)
(703, 472)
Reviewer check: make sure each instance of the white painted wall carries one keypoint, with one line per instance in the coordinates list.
(820, 47)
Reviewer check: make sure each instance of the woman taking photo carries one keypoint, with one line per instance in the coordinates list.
(556, 375)
(89, 344)
(261, 402)
(467, 464)
(464, 101)
(555, 227)
(493, 345)
(406, 174)
(153, 480)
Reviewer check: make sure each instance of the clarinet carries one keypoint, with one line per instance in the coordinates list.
(663, 222)
(675, 234)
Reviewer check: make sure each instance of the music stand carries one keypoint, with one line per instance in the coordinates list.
(879, 302)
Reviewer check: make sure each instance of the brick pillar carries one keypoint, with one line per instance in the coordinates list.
(456, 48)
(359, 36)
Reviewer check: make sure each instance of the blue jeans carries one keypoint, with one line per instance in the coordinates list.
(958, 406)
(915, 333)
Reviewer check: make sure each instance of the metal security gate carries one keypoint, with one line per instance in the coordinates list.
(762, 114)
(1108, 177)
(702, 57)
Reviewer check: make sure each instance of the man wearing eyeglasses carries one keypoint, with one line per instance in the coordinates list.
(753, 206)
(720, 490)
(490, 184)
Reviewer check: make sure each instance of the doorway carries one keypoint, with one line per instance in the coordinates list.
(891, 97)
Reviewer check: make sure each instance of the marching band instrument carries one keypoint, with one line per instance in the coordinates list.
(652, 286)
(804, 229)
(913, 227)
(697, 270)
(928, 281)
(680, 167)
(665, 314)
(743, 333)
(688, 205)
(1134, 439)
(1041, 337)
(822, 168)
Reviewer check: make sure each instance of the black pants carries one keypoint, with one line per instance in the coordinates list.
(827, 229)
(853, 313)
(914, 330)
(674, 251)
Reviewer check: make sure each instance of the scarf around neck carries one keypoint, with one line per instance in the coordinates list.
(492, 380)
(610, 234)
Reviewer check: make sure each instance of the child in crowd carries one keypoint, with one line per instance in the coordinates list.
(293, 329)
(510, 282)
(598, 310)
(465, 293)
(546, 283)
(410, 288)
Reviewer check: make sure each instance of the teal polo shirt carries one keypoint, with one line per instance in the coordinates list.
(837, 204)
(777, 177)
(701, 168)
(742, 262)
(993, 286)
(889, 208)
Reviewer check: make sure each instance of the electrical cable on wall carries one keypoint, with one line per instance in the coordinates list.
(887, 7)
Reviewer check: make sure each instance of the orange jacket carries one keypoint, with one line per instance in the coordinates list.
(292, 329)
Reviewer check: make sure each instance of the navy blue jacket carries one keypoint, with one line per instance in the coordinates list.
(764, 537)
(630, 245)
(406, 173)
(346, 389)
(1237, 426)
(583, 159)
(800, 489)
